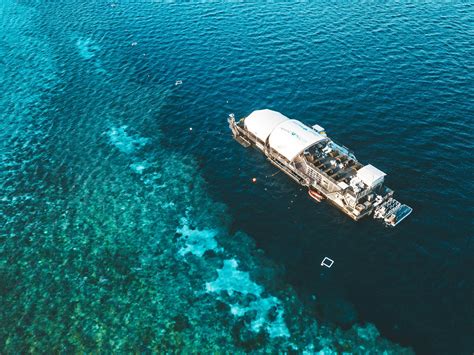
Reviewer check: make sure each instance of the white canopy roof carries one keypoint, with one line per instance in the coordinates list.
(370, 175)
(262, 122)
(291, 137)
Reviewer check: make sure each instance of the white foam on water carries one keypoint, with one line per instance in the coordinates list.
(232, 280)
(124, 142)
(197, 241)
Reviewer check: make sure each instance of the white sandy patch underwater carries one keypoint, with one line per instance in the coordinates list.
(125, 142)
(140, 166)
(233, 281)
(87, 47)
(197, 241)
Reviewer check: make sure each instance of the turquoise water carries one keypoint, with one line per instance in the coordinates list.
(123, 229)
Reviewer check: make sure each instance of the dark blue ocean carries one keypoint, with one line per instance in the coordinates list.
(128, 217)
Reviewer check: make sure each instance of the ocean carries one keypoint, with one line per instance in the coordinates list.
(129, 221)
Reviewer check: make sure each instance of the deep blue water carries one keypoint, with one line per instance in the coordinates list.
(122, 229)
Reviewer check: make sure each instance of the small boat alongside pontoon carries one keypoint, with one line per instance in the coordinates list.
(329, 170)
(315, 195)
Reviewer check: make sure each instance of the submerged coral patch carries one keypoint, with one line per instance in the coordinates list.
(233, 282)
(369, 332)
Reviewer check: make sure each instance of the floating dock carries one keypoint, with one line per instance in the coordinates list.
(329, 170)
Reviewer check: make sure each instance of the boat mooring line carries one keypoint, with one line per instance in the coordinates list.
(279, 171)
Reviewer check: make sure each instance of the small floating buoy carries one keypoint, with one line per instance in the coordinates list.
(134, 44)
(327, 262)
(178, 82)
(254, 180)
(190, 128)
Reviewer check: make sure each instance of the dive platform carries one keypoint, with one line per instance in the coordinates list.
(330, 171)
